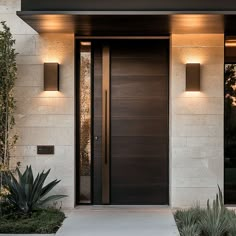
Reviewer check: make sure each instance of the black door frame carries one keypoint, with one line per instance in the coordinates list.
(77, 41)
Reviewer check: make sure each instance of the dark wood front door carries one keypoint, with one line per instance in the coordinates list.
(138, 129)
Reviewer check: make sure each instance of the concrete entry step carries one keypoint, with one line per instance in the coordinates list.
(120, 220)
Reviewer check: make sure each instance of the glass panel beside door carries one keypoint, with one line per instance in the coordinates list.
(85, 123)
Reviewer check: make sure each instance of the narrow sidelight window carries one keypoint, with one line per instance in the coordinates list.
(85, 122)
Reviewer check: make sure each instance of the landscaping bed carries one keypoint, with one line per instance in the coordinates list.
(41, 221)
(214, 220)
(22, 203)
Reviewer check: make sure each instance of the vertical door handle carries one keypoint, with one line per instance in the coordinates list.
(106, 127)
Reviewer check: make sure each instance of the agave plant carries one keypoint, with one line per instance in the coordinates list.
(27, 193)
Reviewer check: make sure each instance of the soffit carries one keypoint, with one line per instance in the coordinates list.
(136, 23)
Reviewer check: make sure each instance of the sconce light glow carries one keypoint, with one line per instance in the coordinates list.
(51, 76)
(196, 94)
(51, 94)
(192, 77)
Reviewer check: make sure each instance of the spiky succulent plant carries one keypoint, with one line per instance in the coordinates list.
(26, 192)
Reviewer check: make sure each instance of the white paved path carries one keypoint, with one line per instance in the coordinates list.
(120, 221)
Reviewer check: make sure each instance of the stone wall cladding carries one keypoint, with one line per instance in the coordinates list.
(196, 120)
(43, 118)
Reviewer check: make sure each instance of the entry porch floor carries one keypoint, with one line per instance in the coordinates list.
(120, 220)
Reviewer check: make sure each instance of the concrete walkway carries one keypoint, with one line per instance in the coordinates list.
(120, 220)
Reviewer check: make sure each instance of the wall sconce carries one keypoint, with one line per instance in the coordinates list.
(51, 77)
(193, 77)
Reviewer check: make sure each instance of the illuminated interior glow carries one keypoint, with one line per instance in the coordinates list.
(230, 43)
(85, 43)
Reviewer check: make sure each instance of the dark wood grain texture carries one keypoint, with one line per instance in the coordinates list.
(139, 127)
(139, 121)
(97, 124)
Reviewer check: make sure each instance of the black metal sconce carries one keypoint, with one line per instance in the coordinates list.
(51, 77)
(193, 77)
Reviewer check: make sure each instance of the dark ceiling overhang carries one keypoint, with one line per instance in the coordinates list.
(129, 17)
(129, 23)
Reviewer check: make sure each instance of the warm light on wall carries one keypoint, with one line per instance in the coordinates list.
(192, 77)
(193, 55)
(51, 94)
(193, 94)
(192, 59)
(188, 21)
(52, 24)
(51, 76)
(194, 23)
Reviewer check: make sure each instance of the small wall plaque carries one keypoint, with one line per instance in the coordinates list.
(45, 150)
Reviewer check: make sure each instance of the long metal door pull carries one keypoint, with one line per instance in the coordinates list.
(106, 127)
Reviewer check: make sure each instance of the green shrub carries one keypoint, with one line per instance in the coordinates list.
(8, 76)
(188, 221)
(189, 216)
(215, 220)
(27, 193)
(40, 221)
(186, 217)
(190, 230)
(232, 222)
